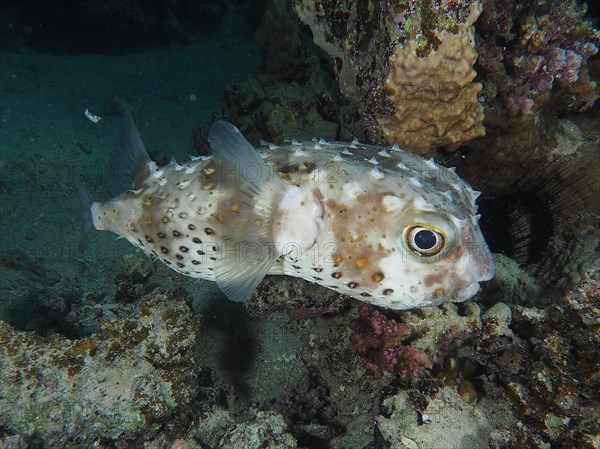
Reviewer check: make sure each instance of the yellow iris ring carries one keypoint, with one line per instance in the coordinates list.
(405, 239)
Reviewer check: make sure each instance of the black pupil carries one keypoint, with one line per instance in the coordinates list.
(425, 239)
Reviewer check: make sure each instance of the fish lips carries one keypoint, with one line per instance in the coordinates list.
(484, 269)
(464, 293)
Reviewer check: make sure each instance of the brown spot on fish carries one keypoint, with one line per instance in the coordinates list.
(191, 226)
(164, 250)
(176, 233)
(209, 231)
(161, 235)
(149, 239)
(436, 278)
(352, 284)
(183, 249)
(178, 257)
(377, 277)
(196, 240)
(388, 291)
(336, 274)
(149, 221)
(164, 219)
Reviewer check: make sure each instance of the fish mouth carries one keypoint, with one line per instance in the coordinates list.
(469, 287)
(464, 293)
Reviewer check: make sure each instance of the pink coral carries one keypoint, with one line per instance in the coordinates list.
(544, 45)
(379, 339)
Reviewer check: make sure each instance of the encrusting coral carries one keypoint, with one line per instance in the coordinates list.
(127, 379)
(548, 360)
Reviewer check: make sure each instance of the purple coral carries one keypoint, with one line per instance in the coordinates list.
(559, 64)
(552, 44)
(379, 339)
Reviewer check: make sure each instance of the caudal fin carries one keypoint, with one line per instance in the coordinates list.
(88, 231)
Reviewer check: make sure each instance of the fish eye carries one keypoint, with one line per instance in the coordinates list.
(423, 240)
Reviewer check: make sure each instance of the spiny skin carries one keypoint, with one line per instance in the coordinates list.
(341, 220)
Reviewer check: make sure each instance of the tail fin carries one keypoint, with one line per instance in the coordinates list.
(130, 162)
(88, 231)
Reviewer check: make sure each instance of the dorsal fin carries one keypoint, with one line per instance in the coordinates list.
(130, 163)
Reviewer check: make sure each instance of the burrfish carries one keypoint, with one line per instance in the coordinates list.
(381, 225)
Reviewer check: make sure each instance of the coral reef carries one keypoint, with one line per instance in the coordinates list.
(445, 421)
(543, 359)
(299, 299)
(550, 43)
(302, 105)
(534, 62)
(380, 336)
(408, 67)
(130, 286)
(435, 98)
(278, 53)
(267, 429)
(440, 331)
(380, 341)
(433, 332)
(308, 403)
(293, 95)
(512, 284)
(548, 361)
(122, 383)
